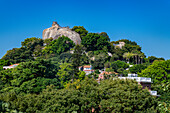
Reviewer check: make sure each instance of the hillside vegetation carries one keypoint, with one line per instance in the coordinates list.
(48, 78)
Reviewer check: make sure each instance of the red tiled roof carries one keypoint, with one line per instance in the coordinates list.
(87, 66)
(107, 73)
(14, 64)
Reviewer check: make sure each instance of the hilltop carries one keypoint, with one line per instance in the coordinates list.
(57, 31)
(45, 75)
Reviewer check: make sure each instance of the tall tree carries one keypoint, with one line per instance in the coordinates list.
(127, 56)
(94, 42)
(80, 30)
(99, 60)
(104, 34)
(136, 54)
(142, 56)
(79, 51)
(65, 73)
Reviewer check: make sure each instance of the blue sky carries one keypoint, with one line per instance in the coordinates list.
(145, 21)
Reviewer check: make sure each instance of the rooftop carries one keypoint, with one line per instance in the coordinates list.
(107, 73)
(138, 79)
(87, 66)
(11, 66)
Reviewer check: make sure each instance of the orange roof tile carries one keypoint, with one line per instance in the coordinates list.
(14, 64)
(87, 66)
(107, 73)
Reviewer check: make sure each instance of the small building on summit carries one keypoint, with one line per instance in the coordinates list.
(120, 45)
(87, 69)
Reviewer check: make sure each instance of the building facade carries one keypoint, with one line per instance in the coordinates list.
(145, 82)
(87, 69)
(10, 67)
(120, 45)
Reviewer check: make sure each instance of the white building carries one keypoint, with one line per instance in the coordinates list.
(120, 45)
(87, 69)
(145, 82)
(10, 67)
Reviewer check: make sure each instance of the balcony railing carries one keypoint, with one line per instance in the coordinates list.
(138, 79)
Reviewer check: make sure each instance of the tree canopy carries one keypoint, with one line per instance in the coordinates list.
(137, 68)
(86, 96)
(31, 47)
(94, 41)
(29, 77)
(80, 30)
(159, 71)
(119, 64)
(48, 78)
(58, 46)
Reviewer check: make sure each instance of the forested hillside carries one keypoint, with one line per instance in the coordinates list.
(48, 78)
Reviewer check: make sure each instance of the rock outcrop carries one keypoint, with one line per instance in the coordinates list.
(57, 31)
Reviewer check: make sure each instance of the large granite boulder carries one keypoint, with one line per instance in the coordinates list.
(57, 31)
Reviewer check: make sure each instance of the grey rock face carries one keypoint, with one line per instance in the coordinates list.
(56, 31)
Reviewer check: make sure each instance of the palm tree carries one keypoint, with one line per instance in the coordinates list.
(142, 56)
(127, 56)
(136, 55)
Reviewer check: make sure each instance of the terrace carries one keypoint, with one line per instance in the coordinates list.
(138, 79)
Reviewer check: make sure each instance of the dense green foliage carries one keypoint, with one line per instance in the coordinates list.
(99, 61)
(65, 73)
(159, 71)
(48, 78)
(119, 64)
(104, 34)
(131, 52)
(94, 41)
(3, 63)
(80, 30)
(126, 41)
(58, 46)
(151, 59)
(17, 55)
(86, 96)
(29, 77)
(31, 47)
(137, 68)
(163, 90)
(79, 58)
